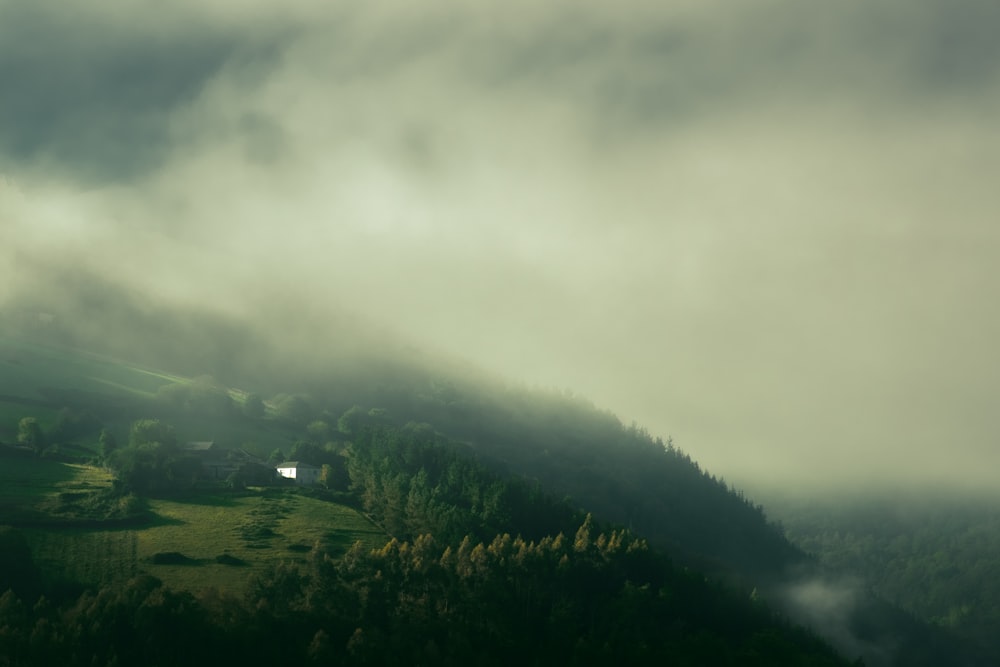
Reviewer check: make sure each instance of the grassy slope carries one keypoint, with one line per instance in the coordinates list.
(29, 369)
(38, 381)
(30, 373)
(261, 528)
(27, 485)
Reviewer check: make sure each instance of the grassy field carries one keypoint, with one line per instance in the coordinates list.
(37, 381)
(221, 539)
(93, 557)
(250, 531)
(260, 530)
(28, 485)
(29, 367)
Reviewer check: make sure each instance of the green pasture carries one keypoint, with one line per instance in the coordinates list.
(37, 381)
(26, 370)
(221, 539)
(262, 529)
(11, 412)
(250, 531)
(27, 485)
(94, 557)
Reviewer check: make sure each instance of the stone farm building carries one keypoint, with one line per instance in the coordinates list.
(217, 463)
(302, 473)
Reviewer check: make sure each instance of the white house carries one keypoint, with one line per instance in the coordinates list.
(302, 473)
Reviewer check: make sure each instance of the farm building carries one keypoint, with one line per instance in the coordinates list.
(302, 473)
(217, 463)
(201, 447)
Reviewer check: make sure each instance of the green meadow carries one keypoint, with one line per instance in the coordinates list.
(217, 542)
(248, 533)
(33, 372)
(38, 381)
(29, 486)
(215, 539)
(211, 540)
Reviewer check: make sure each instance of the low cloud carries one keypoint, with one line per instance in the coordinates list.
(832, 609)
(766, 230)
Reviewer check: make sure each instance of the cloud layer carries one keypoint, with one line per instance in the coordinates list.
(767, 230)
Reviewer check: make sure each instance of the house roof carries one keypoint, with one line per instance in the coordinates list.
(200, 445)
(295, 464)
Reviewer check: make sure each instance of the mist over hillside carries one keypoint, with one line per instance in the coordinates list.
(656, 263)
(766, 230)
(523, 448)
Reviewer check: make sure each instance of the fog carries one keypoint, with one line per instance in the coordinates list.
(766, 229)
(831, 608)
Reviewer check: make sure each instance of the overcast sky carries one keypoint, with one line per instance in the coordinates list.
(766, 228)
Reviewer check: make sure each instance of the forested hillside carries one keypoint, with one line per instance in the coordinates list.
(429, 447)
(934, 555)
(553, 437)
(444, 332)
(585, 600)
(485, 570)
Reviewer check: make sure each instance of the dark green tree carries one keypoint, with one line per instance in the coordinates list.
(29, 433)
(72, 424)
(319, 431)
(107, 442)
(146, 431)
(293, 408)
(307, 452)
(253, 406)
(17, 569)
(351, 421)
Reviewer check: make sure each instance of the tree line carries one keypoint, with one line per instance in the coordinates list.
(481, 569)
(584, 599)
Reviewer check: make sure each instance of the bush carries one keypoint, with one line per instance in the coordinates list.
(172, 558)
(226, 559)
